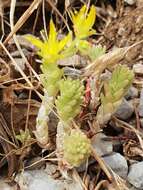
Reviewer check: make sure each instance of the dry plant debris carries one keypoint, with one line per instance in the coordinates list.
(52, 106)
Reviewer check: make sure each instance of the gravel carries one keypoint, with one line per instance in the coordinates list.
(118, 164)
(135, 176)
(125, 110)
(140, 108)
(101, 146)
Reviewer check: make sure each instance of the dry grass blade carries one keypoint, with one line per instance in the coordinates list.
(105, 61)
(3, 4)
(58, 12)
(102, 165)
(16, 65)
(12, 10)
(7, 147)
(104, 183)
(108, 60)
(5, 71)
(23, 19)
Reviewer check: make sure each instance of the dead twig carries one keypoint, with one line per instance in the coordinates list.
(102, 165)
(23, 19)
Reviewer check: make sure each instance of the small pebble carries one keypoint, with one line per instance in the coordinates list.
(5, 186)
(125, 110)
(140, 108)
(131, 187)
(117, 163)
(135, 176)
(101, 146)
(132, 93)
(141, 122)
(40, 180)
(72, 72)
(130, 2)
(138, 69)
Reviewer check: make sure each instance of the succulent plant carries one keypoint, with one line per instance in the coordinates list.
(95, 51)
(83, 22)
(114, 91)
(92, 51)
(70, 99)
(51, 49)
(51, 77)
(77, 148)
(24, 136)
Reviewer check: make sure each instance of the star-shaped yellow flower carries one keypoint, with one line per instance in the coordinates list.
(83, 22)
(52, 49)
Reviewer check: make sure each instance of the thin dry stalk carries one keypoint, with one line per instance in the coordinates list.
(23, 19)
(13, 62)
(131, 128)
(100, 184)
(57, 11)
(102, 165)
(105, 61)
(12, 10)
(108, 60)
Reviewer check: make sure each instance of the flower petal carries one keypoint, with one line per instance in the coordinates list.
(52, 33)
(35, 41)
(89, 22)
(65, 41)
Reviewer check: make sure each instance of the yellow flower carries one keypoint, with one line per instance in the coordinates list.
(52, 49)
(83, 21)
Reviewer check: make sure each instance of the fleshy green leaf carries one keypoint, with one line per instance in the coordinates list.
(114, 92)
(70, 99)
(77, 148)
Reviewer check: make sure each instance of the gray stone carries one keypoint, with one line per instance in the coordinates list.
(118, 164)
(75, 60)
(72, 72)
(83, 166)
(133, 188)
(101, 146)
(130, 2)
(140, 108)
(5, 186)
(132, 93)
(43, 179)
(130, 187)
(135, 176)
(125, 110)
(138, 69)
(141, 122)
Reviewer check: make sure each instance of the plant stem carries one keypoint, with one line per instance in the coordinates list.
(41, 132)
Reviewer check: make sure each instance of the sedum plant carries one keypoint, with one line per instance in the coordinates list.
(93, 52)
(72, 146)
(71, 92)
(70, 99)
(50, 50)
(68, 105)
(83, 22)
(50, 78)
(24, 137)
(114, 91)
(77, 148)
